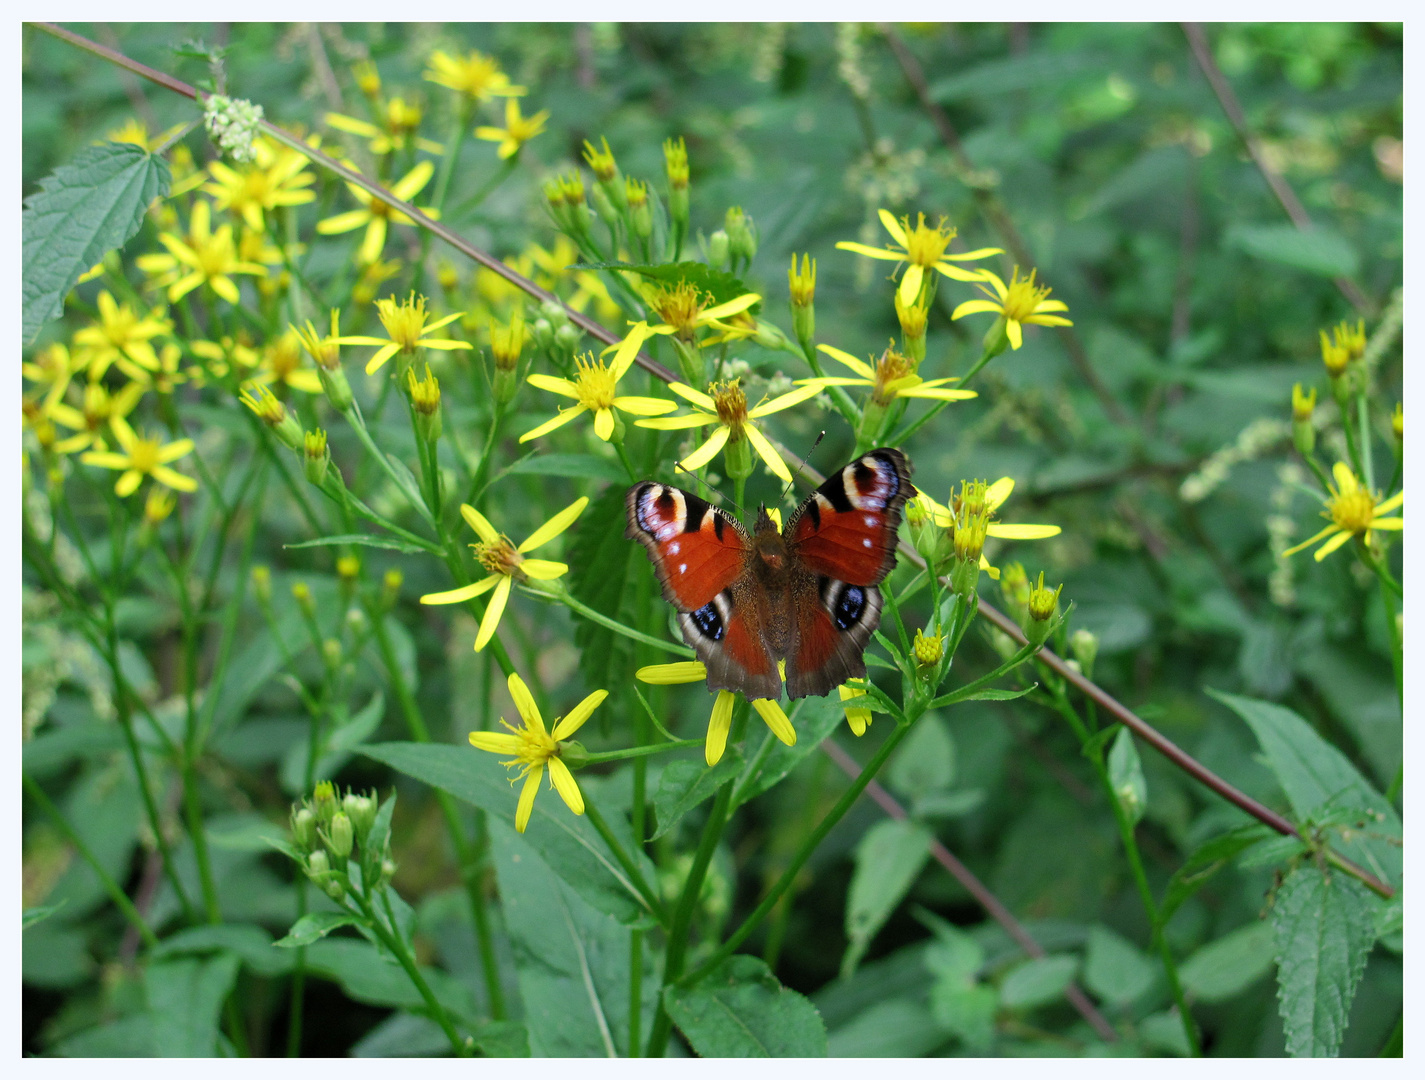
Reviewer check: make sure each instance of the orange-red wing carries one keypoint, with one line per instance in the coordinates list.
(696, 549)
(847, 529)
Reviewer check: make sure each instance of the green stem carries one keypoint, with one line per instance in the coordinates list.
(1363, 418)
(634, 753)
(122, 902)
(650, 898)
(567, 598)
(358, 425)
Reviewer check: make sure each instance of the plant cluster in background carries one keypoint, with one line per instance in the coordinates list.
(335, 379)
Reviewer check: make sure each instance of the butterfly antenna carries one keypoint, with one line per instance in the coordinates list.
(717, 496)
(801, 465)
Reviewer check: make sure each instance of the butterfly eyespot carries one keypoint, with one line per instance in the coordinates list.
(850, 606)
(708, 620)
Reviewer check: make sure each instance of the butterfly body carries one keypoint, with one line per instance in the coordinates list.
(804, 595)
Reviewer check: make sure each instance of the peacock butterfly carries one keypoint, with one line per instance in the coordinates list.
(806, 594)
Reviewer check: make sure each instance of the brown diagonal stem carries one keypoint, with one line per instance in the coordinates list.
(976, 888)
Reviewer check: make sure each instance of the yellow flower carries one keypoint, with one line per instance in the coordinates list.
(166, 377)
(924, 248)
(399, 124)
(893, 376)
(476, 75)
(120, 332)
(210, 258)
(1019, 302)
(275, 178)
(1353, 510)
(375, 214)
(53, 366)
(142, 456)
(99, 407)
(282, 363)
(858, 718)
(727, 408)
(506, 562)
(517, 131)
(994, 497)
(721, 719)
(681, 309)
(218, 355)
(595, 388)
(406, 323)
(534, 747)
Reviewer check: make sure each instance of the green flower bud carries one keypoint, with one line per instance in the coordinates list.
(573, 754)
(324, 801)
(336, 387)
(690, 362)
(1084, 645)
(318, 865)
(718, 250)
(1043, 606)
(315, 456)
(340, 836)
(737, 458)
(304, 828)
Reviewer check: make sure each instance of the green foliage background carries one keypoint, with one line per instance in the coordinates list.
(1198, 307)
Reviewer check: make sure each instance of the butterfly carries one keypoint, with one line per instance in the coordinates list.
(805, 594)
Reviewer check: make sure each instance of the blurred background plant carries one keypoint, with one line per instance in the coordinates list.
(1209, 203)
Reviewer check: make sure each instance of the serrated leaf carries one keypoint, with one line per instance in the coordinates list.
(1222, 969)
(685, 784)
(1038, 981)
(741, 1010)
(1317, 251)
(1125, 773)
(814, 719)
(82, 211)
(567, 843)
(722, 285)
(1323, 927)
(361, 540)
(314, 927)
(888, 860)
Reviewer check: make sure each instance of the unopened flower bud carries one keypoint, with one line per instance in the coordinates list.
(1014, 587)
(347, 568)
(425, 400)
(340, 835)
(803, 291)
(391, 588)
(318, 865)
(1043, 606)
(741, 234)
(913, 318)
(675, 158)
(1302, 406)
(262, 583)
(331, 653)
(388, 871)
(303, 595)
(362, 811)
(304, 828)
(640, 216)
(158, 506)
(273, 413)
(566, 339)
(718, 248)
(315, 456)
(1084, 645)
(928, 651)
(324, 801)
(447, 275)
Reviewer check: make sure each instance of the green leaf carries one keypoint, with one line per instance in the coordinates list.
(967, 1012)
(361, 540)
(814, 719)
(82, 211)
(1317, 777)
(925, 762)
(314, 927)
(1034, 69)
(251, 944)
(685, 784)
(948, 803)
(600, 560)
(1164, 1031)
(1203, 863)
(130, 1036)
(1038, 982)
(1317, 251)
(1115, 969)
(574, 466)
(567, 843)
(38, 914)
(1323, 927)
(888, 860)
(1222, 969)
(185, 997)
(722, 285)
(570, 959)
(896, 1028)
(741, 1010)
(1125, 772)
(991, 694)
(367, 975)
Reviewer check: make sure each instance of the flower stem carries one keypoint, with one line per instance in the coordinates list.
(567, 598)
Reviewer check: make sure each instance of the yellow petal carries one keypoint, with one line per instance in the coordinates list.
(644, 406)
(527, 794)
(1331, 545)
(578, 714)
(998, 492)
(705, 453)
(555, 525)
(479, 523)
(553, 385)
(524, 702)
(1391, 503)
(732, 307)
(974, 307)
(1022, 532)
(978, 253)
(604, 424)
(768, 453)
(565, 785)
(786, 401)
(1308, 542)
(176, 480)
(1389, 524)
(465, 592)
(718, 725)
(910, 284)
(955, 273)
(684, 671)
(496, 742)
(860, 367)
(870, 252)
(543, 569)
(1345, 478)
(128, 483)
(493, 613)
(776, 719)
(1014, 333)
(352, 219)
(938, 393)
(893, 227)
(558, 420)
(697, 397)
(676, 423)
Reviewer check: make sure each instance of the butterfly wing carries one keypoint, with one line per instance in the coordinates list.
(700, 556)
(843, 539)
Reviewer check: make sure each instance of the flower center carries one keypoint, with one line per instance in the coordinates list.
(143, 455)
(1024, 296)
(119, 328)
(215, 255)
(731, 404)
(536, 747)
(1353, 510)
(285, 356)
(679, 307)
(499, 556)
(97, 407)
(926, 246)
(595, 383)
(405, 322)
(891, 368)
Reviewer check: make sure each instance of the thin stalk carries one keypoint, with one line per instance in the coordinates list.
(567, 598)
(121, 901)
(1363, 420)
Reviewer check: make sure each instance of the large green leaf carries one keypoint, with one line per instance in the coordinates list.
(1323, 926)
(1318, 251)
(1317, 779)
(600, 559)
(82, 211)
(888, 860)
(895, 1028)
(368, 975)
(567, 843)
(251, 944)
(741, 1010)
(814, 719)
(571, 960)
(1114, 969)
(685, 784)
(1210, 857)
(185, 997)
(1223, 968)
